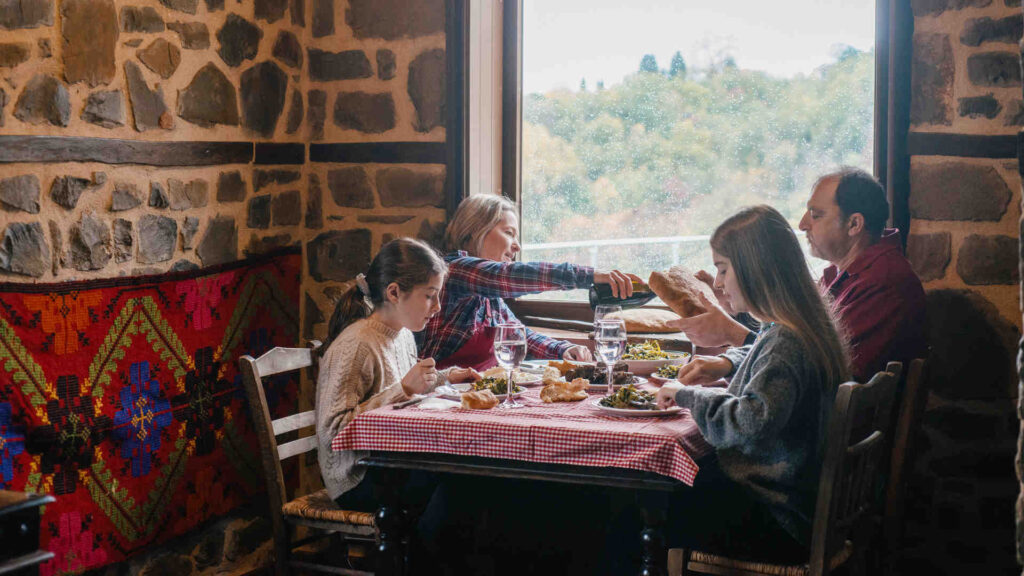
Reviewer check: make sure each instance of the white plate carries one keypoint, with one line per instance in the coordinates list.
(648, 367)
(639, 380)
(658, 380)
(636, 413)
(466, 387)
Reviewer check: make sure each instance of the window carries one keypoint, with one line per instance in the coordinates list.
(642, 125)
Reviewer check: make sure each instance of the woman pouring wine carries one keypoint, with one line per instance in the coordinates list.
(483, 240)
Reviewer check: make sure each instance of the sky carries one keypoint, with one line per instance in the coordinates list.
(569, 40)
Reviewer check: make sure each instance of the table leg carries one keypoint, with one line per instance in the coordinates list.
(653, 507)
(393, 546)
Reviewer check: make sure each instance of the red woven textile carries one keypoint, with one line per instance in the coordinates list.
(576, 433)
(122, 398)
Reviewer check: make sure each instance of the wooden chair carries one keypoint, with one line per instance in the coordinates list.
(316, 511)
(846, 490)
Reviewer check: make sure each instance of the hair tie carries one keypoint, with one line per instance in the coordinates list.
(362, 285)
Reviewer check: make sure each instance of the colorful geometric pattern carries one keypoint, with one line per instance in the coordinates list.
(122, 398)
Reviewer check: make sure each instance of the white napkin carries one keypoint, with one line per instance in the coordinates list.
(438, 404)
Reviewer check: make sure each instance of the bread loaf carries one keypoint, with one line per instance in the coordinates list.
(646, 320)
(562, 391)
(679, 290)
(479, 400)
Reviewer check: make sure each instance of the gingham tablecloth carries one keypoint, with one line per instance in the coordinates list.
(576, 433)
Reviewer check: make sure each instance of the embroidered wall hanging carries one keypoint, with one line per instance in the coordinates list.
(122, 398)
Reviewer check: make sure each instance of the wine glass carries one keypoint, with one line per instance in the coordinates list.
(611, 343)
(510, 350)
(600, 312)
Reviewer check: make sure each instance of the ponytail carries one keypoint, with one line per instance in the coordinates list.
(352, 306)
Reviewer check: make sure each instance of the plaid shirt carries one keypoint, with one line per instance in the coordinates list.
(472, 297)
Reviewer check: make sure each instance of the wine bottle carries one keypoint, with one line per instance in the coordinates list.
(602, 294)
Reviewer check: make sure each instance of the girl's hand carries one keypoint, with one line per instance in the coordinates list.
(704, 370)
(666, 396)
(579, 353)
(708, 279)
(457, 375)
(421, 378)
(621, 283)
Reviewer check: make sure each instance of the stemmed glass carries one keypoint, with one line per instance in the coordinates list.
(510, 350)
(600, 311)
(611, 343)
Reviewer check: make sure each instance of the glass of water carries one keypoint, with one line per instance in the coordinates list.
(610, 336)
(510, 350)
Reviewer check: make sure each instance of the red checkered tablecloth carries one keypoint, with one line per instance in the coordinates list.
(576, 433)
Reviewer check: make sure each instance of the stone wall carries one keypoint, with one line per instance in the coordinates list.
(146, 136)
(965, 206)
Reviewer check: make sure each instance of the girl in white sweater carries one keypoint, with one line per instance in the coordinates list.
(370, 359)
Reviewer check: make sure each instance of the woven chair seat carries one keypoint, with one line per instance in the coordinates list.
(319, 506)
(724, 563)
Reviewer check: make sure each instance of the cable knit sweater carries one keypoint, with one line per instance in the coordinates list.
(361, 370)
(769, 425)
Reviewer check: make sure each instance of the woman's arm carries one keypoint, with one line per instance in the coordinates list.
(513, 279)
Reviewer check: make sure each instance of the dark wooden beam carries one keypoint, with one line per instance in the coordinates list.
(511, 98)
(457, 103)
(271, 153)
(897, 157)
(383, 152)
(115, 151)
(963, 145)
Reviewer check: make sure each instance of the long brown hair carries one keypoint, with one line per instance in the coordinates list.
(776, 283)
(404, 261)
(474, 218)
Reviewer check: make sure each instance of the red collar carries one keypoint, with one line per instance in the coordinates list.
(889, 242)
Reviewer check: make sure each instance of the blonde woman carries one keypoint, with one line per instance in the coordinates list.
(483, 240)
(768, 426)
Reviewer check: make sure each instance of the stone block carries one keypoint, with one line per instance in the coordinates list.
(298, 12)
(58, 247)
(89, 244)
(262, 245)
(25, 13)
(3, 102)
(1014, 114)
(432, 233)
(185, 195)
(189, 228)
(350, 187)
(369, 113)
(168, 565)
(312, 316)
(193, 35)
(929, 254)
(214, 5)
(295, 113)
(287, 49)
(936, 7)
(385, 64)
(931, 80)
(13, 53)
(985, 260)
(314, 204)
(270, 10)
(158, 196)
(264, 178)
(408, 188)
(148, 106)
(20, 193)
(323, 18)
(345, 65)
(124, 197)
(105, 109)
(184, 266)
(209, 99)
(66, 190)
(394, 19)
(89, 36)
(973, 347)
(231, 187)
(24, 250)
(264, 87)
(141, 19)
(956, 190)
(998, 69)
(161, 57)
(239, 40)
(44, 99)
(123, 240)
(186, 6)
(219, 243)
(981, 30)
(339, 254)
(317, 114)
(259, 212)
(286, 208)
(979, 106)
(426, 89)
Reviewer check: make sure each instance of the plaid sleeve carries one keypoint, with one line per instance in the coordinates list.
(492, 279)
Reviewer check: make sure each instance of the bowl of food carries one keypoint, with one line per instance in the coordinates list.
(644, 358)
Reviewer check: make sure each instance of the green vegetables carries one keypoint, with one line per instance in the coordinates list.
(495, 385)
(630, 397)
(649, 350)
(669, 371)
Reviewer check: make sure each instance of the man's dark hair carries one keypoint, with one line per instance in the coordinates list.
(858, 191)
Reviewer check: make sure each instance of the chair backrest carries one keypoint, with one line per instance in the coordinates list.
(852, 466)
(254, 371)
(911, 406)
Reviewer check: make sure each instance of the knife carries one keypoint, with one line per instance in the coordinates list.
(406, 403)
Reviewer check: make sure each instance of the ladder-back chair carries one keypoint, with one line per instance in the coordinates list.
(846, 490)
(913, 398)
(317, 510)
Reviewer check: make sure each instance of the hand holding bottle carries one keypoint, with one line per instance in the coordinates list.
(621, 283)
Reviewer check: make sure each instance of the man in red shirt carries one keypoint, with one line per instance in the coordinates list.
(877, 297)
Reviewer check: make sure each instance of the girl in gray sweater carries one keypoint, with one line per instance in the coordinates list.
(768, 426)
